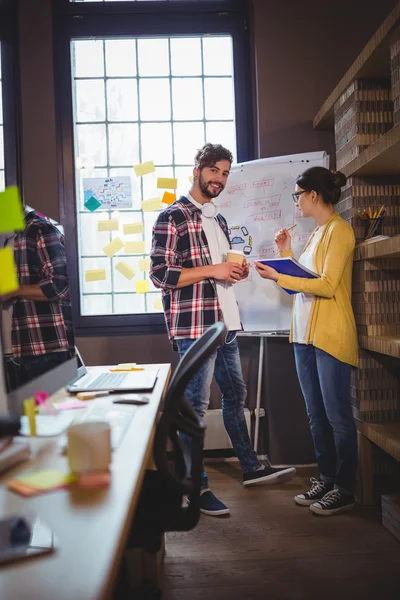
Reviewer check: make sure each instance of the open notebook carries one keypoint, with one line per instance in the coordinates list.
(289, 266)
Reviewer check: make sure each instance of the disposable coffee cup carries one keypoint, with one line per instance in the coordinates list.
(235, 256)
(89, 447)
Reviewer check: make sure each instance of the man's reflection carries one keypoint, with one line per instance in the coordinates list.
(36, 319)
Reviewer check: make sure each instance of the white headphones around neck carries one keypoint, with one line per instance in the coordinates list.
(209, 210)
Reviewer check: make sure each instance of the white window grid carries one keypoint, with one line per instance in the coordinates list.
(120, 138)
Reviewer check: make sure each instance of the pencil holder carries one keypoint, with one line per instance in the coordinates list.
(372, 227)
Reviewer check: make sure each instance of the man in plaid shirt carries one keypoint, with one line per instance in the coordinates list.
(190, 242)
(36, 319)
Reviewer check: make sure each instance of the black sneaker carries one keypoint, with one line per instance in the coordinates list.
(211, 505)
(316, 492)
(333, 502)
(268, 475)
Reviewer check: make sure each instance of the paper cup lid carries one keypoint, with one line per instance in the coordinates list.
(235, 252)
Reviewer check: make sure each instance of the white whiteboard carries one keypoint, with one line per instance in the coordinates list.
(256, 203)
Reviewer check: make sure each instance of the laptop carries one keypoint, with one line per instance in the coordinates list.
(99, 379)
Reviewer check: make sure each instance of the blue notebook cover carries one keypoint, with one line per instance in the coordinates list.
(289, 266)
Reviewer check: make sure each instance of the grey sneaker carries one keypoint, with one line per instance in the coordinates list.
(317, 491)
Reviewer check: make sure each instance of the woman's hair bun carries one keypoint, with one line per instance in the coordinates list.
(338, 178)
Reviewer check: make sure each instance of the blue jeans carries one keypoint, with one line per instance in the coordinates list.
(224, 365)
(325, 383)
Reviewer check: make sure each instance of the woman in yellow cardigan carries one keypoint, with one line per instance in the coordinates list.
(325, 340)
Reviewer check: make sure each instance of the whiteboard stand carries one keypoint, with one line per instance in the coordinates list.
(262, 335)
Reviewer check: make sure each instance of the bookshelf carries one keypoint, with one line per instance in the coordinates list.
(372, 62)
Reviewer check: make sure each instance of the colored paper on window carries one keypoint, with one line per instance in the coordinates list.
(142, 286)
(110, 192)
(134, 247)
(92, 204)
(144, 264)
(132, 228)
(158, 304)
(167, 183)
(168, 198)
(144, 168)
(152, 204)
(8, 273)
(125, 269)
(95, 275)
(113, 247)
(11, 211)
(108, 225)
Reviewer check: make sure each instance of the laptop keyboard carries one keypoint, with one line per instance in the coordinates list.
(107, 381)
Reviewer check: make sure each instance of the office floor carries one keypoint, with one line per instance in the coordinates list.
(271, 549)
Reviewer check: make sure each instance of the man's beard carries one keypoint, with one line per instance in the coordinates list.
(206, 191)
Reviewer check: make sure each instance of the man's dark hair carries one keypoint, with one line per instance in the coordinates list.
(210, 154)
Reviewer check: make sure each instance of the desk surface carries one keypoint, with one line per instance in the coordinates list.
(91, 526)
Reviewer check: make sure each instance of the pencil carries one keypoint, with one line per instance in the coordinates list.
(292, 227)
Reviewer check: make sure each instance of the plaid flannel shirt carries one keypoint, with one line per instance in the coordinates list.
(42, 327)
(179, 243)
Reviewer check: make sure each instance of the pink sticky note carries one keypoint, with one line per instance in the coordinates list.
(69, 404)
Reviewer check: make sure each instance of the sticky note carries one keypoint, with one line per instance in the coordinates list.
(113, 247)
(11, 211)
(125, 269)
(95, 275)
(132, 228)
(91, 204)
(152, 204)
(191, 179)
(144, 264)
(70, 404)
(144, 168)
(47, 479)
(134, 247)
(142, 286)
(30, 412)
(158, 304)
(8, 274)
(124, 367)
(168, 198)
(108, 225)
(167, 182)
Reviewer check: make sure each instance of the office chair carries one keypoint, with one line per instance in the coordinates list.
(160, 507)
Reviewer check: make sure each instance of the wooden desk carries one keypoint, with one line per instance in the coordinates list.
(91, 526)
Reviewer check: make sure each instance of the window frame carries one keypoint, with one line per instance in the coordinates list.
(135, 19)
(10, 93)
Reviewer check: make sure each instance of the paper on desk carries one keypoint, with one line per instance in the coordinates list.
(70, 404)
(144, 168)
(8, 273)
(41, 481)
(11, 212)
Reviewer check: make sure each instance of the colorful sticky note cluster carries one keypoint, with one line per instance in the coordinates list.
(144, 168)
(113, 247)
(132, 228)
(134, 247)
(8, 273)
(41, 482)
(168, 198)
(92, 204)
(169, 183)
(12, 214)
(108, 225)
(144, 264)
(152, 204)
(95, 275)
(125, 269)
(142, 286)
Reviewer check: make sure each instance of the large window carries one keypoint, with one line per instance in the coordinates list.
(150, 97)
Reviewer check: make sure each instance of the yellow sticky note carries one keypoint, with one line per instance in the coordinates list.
(167, 183)
(158, 304)
(132, 228)
(191, 179)
(113, 247)
(108, 225)
(142, 286)
(144, 264)
(124, 367)
(168, 198)
(12, 214)
(47, 479)
(134, 247)
(95, 275)
(30, 412)
(8, 273)
(152, 204)
(144, 168)
(125, 269)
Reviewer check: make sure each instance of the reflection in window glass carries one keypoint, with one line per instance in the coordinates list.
(138, 100)
(2, 182)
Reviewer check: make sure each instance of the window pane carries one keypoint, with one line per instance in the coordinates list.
(92, 143)
(187, 99)
(215, 89)
(217, 55)
(157, 143)
(122, 102)
(155, 101)
(88, 58)
(123, 144)
(188, 138)
(97, 305)
(128, 304)
(90, 101)
(186, 56)
(153, 57)
(120, 58)
(222, 133)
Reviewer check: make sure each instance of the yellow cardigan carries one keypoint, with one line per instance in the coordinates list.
(332, 326)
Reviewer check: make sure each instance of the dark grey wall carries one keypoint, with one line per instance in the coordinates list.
(300, 51)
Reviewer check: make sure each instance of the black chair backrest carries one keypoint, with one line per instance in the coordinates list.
(178, 414)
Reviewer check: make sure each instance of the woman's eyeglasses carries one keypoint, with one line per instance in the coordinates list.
(296, 195)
